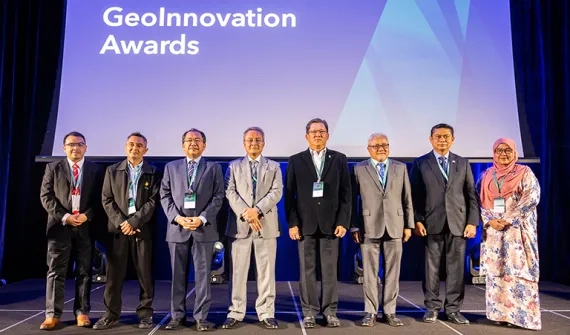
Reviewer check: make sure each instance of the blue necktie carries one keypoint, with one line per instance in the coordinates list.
(191, 168)
(381, 172)
(253, 177)
(443, 163)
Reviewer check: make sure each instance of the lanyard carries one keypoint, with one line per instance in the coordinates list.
(499, 185)
(134, 181)
(320, 169)
(75, 184)
(191, 179)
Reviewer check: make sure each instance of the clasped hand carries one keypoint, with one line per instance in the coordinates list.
(499, 224)
(251, 215)
(76, 219)
(189, 223)
(128, 230)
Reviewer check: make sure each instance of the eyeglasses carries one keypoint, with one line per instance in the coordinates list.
(317, 132)
(378, 146)
(507, 151)
(252, 140)
(445, 137)
(195, 140)
(75, 145)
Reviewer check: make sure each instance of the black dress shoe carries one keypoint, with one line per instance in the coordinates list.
(430, 316)
(369, 320)
(393, 320)
(202, 325)
(332, 321)
(270, 323)
(230, 323)
(456, 317)
(309, 322)
(104, 323)
(145, 323)
(175, 323)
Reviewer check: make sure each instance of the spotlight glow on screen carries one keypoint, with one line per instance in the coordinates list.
(392, 66)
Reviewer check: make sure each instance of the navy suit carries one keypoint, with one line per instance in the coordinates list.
(209, 189)
(444, 207)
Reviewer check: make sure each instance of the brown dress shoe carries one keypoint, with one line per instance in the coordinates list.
(49, 323)
(83, 321)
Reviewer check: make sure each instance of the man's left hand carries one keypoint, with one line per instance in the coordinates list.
(339, 231)
(470, 231)
(195, 223)
(250, 214)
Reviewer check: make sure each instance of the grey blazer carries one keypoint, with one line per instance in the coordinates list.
(239, 188)
(382, 210)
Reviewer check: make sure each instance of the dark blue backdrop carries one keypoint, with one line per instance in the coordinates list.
(30, 44)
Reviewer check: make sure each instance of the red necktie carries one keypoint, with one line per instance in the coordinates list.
(75, 189)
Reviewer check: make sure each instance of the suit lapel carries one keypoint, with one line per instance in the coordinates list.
(373, 174)
(247, 171)
(390, 176)
(452, 164)
(199, 173)
(306, 156)
(67, 184)
(263, 165)
(328, 157)
(434, 165)
(181, 171)
(86, 179)
(66, 171)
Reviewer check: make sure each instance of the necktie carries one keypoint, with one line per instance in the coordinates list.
(191, 168)
(443, 163)
(381, 172)
(253, 177)
(75, 190)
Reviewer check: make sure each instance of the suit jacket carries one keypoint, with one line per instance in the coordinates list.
(437, 202)
(268, 192)
(327, 212)
(209, 189)
(378, 210)
(116, 198)
(55, 194)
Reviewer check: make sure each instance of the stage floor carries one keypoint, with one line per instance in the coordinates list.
(22, 304)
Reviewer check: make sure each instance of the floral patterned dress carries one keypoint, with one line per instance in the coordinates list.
(509, 258)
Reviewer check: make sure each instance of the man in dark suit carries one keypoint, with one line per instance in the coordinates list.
(71, 195)
(130, 195)
(192, 193)
(446, 212)
(318, 204)
(385, 219)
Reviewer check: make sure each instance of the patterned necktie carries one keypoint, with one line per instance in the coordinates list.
(253, 177)
(381, 172)
(443, 163)
(191, 168)
(75, 190)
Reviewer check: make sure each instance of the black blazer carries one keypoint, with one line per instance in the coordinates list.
(55, 194)
(327, 212)
(116, 198)
(436, 201)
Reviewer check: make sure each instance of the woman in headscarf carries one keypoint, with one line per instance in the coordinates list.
(509, 250)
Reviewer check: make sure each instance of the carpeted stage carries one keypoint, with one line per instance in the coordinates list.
(22, 303)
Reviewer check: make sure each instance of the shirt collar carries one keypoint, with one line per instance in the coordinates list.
(134, 167)
(438, 155)
(197, 160)
(258, 159)
(375, 162)
(318, 155)
(80, 163)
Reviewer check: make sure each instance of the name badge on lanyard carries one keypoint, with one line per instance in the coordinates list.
(132, 207)
(499, 203)
(190, 201)
(319, 186)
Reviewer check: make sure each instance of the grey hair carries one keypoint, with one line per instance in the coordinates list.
(253, 128)
(374, 135)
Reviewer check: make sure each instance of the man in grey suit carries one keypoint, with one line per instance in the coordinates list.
(446, 209)
(192, 193)
(385, 218)
(254, 187)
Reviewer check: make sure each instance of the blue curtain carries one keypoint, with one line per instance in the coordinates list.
(30, 42)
